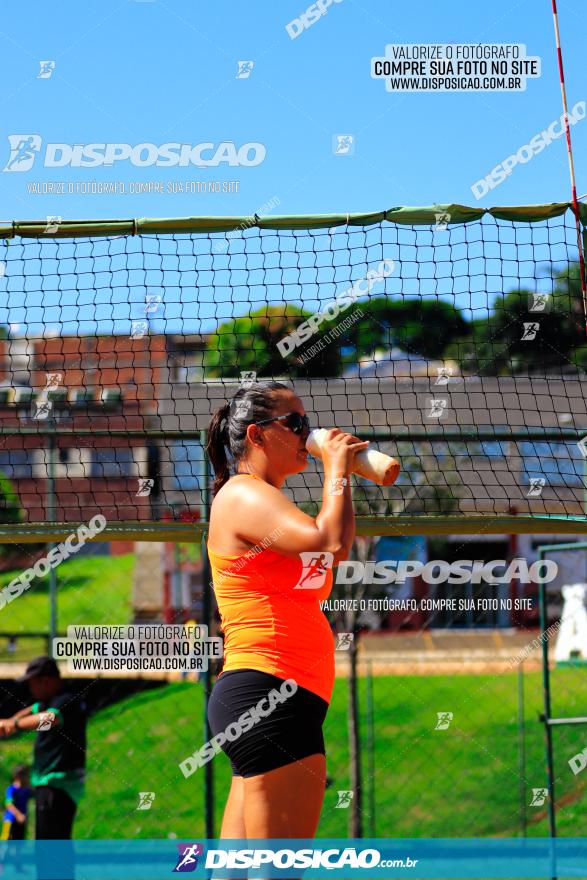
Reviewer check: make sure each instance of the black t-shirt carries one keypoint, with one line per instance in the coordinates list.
(64, 747)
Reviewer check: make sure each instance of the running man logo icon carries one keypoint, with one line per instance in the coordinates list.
(54, 380)
(145, 487)
(344, 800)
(537, 484)
(444, 374)
(187, 861)
(248, 378)
(530, 331)
(539, 796)
(241, 408)
(47, 68)
(337, 485)
(344, 641)
(23, 151)
(315, 567)
(244, 69)
(444, 719)
(146, 799)
(442, 221)
(344, 144)
(152, 303)
(46, 719)
(43, 408)
(437, 407)
(139, 329)
(539, 302)
(52, 224)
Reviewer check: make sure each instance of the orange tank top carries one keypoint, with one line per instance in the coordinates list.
(271, 618)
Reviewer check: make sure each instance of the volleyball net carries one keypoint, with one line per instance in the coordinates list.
(451, 337)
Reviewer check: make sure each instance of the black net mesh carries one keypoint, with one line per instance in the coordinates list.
(459, 348)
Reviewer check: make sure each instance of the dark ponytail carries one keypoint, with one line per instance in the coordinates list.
(228, 427)
(217, 438)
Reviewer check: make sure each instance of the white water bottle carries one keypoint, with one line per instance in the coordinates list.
(369, 463)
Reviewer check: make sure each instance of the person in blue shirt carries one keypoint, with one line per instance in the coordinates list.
(18, 794)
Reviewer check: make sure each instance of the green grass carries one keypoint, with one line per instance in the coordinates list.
(90, 590)
(460, 782)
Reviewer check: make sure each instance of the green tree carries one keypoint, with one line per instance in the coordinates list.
(513, 338)
(10, 509)
(417, 326)
(250, 343)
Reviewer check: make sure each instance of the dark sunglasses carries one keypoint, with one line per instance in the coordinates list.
(294, 421)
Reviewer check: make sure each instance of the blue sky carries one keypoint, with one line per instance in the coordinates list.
(134, 72)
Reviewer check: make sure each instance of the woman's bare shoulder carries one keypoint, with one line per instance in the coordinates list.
(231, 511)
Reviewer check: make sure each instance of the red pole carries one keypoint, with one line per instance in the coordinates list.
(571, 163)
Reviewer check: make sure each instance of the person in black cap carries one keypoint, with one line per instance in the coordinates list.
(59, 761)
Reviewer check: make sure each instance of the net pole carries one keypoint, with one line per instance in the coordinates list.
(571, 162)
(207, 622)
(522, 748)
(371, 749)
(52, 517)
(547, 715)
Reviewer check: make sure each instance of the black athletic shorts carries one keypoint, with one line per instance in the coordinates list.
(291, 729)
